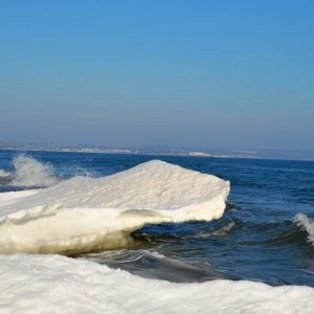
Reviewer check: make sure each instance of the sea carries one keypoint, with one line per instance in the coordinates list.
(266, 233)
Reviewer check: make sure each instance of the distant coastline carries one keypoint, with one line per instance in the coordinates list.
(95, 149)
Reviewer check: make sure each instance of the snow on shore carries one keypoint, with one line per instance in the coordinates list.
(57, 284)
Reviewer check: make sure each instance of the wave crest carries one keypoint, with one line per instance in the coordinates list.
(29, 172)
(4, 174)
(307, 224)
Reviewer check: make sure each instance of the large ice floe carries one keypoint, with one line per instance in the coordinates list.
(85, 214)
(58, 284)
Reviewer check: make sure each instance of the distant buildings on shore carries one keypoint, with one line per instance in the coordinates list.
(113, 150)
(249, 154)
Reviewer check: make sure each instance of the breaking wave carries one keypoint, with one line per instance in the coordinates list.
(30, 172)
(296, 231)
(307, 224)
(4, 174)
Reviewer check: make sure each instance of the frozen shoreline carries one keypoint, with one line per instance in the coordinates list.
(57, 284)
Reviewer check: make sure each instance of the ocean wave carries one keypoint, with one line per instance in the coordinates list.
(188, 231)
(70, 170)
(307, 224)
(4, 173)
(5, 177)
(28, 172)
(298, 231)
(85, 214)
(152, 264)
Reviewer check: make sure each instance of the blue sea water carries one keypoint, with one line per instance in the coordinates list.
(256, 239)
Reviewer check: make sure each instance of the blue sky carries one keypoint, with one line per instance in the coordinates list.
(191, 74)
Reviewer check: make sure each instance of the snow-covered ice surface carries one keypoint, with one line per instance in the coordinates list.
(57, 284)
(85, 214)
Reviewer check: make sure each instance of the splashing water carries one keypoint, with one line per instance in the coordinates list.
(30, 172)
(4, 173)
(307, 224)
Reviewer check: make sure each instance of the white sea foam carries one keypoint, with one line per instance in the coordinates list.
(30, 172)
(57, 284)
(4, 173)
(306, 224)
(85, 214)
